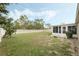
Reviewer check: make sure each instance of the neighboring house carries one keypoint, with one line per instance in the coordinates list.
(77, 20)
(59, 30)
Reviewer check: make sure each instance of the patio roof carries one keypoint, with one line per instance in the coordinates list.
(71, 24)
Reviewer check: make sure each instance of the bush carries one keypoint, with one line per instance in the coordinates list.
(69, 34)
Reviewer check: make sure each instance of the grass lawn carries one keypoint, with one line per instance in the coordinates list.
(33, 44)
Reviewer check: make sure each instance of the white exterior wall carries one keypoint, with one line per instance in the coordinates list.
(63, 34)
(59, 34)
(78, 30)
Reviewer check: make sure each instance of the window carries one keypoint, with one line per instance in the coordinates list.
(55, 29)
(69, 28)
(59, 29)
(64, 29)
(72, 28)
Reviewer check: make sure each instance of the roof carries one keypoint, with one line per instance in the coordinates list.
(77, 14)
(71, 24)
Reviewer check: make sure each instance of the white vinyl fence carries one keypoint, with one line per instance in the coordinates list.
(30, 31)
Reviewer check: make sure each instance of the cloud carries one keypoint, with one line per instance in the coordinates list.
(46, 14)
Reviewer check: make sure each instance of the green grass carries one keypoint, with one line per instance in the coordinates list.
(25, 44)
(30, 44)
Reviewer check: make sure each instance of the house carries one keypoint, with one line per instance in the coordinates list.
(60, 30)
(77, 20)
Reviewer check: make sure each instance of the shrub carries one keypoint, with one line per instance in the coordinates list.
(69, 34)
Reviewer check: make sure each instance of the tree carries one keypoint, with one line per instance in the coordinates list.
(30, 25)
(17, 25)
(6, 22)
(24, 23)
(23, 20)
(3, 9)
(39, 24)
(48, 26)
(9, 27)
(2, 20)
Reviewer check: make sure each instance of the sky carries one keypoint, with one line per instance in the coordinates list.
(53, 13)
